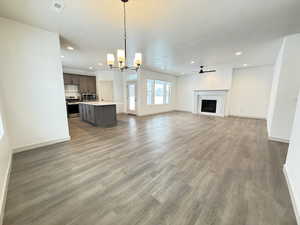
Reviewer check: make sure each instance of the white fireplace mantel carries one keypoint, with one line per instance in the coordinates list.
(219, 95)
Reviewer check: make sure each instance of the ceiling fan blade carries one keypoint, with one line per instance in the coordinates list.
(210, 71)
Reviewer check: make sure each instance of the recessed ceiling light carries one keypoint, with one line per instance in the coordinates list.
(70, 48)
(90, 67)
(62, 56)
(238, 53)
(245, 64)
(192, 62)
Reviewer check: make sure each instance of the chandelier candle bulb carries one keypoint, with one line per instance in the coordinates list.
(138, 59)
(110, 59)
(121, 56)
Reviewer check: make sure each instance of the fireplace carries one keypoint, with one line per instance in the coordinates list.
(209, 106)
(210, 102)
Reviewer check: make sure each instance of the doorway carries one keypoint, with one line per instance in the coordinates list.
(131, 98)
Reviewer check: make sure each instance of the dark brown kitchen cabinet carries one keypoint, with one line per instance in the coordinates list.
(86, 84)
(67, 79)
(91, 84)
(75, 80)
(83, 87)
(71, 79)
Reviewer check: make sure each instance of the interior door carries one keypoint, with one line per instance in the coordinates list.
(131, 98)
(106, 91)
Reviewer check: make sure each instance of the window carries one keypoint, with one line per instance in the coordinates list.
(158, 92)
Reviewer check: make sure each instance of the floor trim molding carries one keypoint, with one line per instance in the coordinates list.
(247, 117)
(180, 110)
(156, 113)
(30, 147)
(291, 192)
(4, 193)
(279, 140)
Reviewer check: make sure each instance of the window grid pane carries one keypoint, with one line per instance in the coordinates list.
(150, 87)
(159, 92)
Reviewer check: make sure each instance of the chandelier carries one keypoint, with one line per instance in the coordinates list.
(122, 53)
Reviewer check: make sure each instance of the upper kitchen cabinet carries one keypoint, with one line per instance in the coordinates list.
(71, 79)
(83, 87)
(86, 84)
(91, 85)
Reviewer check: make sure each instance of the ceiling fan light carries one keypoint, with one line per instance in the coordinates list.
(110, 59)
(138, 59)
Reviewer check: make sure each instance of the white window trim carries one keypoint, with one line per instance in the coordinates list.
(153, 92)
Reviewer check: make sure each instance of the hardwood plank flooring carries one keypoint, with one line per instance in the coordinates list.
(169, 169)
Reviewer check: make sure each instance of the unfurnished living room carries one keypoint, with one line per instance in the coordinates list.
(147, 112)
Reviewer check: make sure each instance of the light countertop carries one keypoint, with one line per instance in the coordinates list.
(98, 103)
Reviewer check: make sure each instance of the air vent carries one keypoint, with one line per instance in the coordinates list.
(58, 5)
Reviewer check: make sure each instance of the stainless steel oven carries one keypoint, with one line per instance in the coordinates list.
(73, 107)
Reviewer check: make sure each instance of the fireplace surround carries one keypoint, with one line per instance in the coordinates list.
(210, 102)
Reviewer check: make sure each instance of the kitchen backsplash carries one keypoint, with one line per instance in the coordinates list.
(72, 91)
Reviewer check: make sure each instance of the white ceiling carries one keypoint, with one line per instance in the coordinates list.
(169, 33)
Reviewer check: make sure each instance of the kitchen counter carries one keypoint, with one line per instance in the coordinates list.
(73, 103)
(98, 103)
(101, 114)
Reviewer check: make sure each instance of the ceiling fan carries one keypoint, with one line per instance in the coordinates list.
(205, 71)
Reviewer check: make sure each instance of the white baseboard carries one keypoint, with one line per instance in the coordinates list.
(290, 187)
(30, 147)
(279, 140)
(181, 110)
(156, 113)
(248, 117)
(4, 191)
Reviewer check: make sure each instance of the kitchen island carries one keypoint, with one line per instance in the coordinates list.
(101, 114)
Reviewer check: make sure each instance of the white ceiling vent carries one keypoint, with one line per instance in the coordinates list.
(58, 5)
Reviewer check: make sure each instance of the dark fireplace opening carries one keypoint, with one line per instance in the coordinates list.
(209, 106)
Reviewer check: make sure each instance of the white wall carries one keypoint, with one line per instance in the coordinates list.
(33, 90)
(274, 88)
(142, 107)
(118, 86)
(250, 92)
(286, 88)
(5, 157)
(186, 84)
(292, 166)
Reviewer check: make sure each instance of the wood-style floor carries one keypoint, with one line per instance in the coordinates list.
(169, 169)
